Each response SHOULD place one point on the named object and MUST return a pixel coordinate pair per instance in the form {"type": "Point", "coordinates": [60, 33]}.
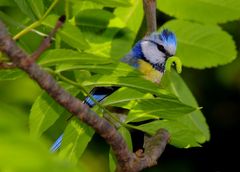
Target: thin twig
{"type": "Point", "coordinates": [46, 43]}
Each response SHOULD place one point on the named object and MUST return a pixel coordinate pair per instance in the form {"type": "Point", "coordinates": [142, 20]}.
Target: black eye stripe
{"type": "Point", "coordinates": [161, 48]}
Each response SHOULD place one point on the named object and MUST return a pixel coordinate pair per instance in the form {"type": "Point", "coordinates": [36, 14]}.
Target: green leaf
{"type": "Point", "coordinates": [110, 3]}
{"type": "Point", "coordinates": [126, 136]}
{"type": "Point", "coordinates": [6, 3]}
{"type": "Point", "coordinates": [67, 56]}
{"type": "Point", "coordinates": [25, 8]}
{"type": "Point", "coordinates": [37, 7]}
{"type": "Point", "coordinates": [112, 161]}
{"type": "Point", "coordinates": [20, 151]}
{"type": "Point", "coordinates": [94, 19]}
{"type": "Point", "coordinates": [124, 96]}
{"type": "Point", "coordinates": [116, 69]}
{"type": "Point", "coordinates": [12, 118]}
{"type": "Point", "coordinates": [157, 108]}
{"type": "Point", "coordinates": [79, 6]}
{"type": "Point", "coordinates": [135, 82]}
{"type": "Point", "coordinates": [201, 46]}
{"type": "Point", "coordinates": [131, 16]}
{"type": "Point", "coordinates": [76, 137]}
{"type": "Point", "coordinates": [195, 120]}
{"type": "Point", "coordinates": [180, 135]}
{"type": "Point", "coordinates": [45, 111]}
{"type": "Point", "coordinates": [10, 74]}
{"type": "Point", "coordinates": [206, 11]}
{"type": "Point", "coordinates": [69, 33]}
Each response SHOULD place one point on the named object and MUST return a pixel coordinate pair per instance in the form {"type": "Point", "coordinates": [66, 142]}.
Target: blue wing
{"type": "Point", "coordinates": [98, 93]}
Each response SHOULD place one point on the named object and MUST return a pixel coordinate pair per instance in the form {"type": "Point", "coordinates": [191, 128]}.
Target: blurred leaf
{"type": "Point", "coordinates": [157, 108]}
{"type": "Point", "coordinates": [6, 3]}
{"type": "Point", "coordinates": [66, 56]}
{"type": "Point", "coordinates": [25, 8]}
{"type": "Point", "coordinates": [69, 33]}
{"type": "Point", "coordinates": [45, 111]}
{"type": "Point", "coordinates": [37, 7]}
{"type": "Point", "coordinates": [93, 19]}
{"type": "Point", "coordinates": [109, 3]}
{"type": "Point", "coordinates": [20, 152]}
{"type": "Point", "coordinates": [9, 20]}
{"type": "Point", "coordinates": [76, 137]}
{"type": "Point", "coordinates": [229, 75]}
{"type": "Point", "coordinates": [10, 74]}
{"type": "Point", "coordinates": [131, 16]}
{"type": "Point", "coordinates": [180, 135]}
{"type": "Point", "coordinates": [206, 11]}
{"type": "Point", "coordinates": [195, 121]}
{"type": "Point", "coordinates": [12, 118]}
{"type": "Point", "coordinates": [201, 46]}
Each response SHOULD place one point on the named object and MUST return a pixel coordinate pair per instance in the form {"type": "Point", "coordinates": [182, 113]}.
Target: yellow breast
{"type": "Point", "coordinates": [149, 72]}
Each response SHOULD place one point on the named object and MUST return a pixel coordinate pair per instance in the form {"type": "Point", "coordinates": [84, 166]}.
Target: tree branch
{"type": "Point", "coordinates": [150, 14]}
{"type": "Point", "coordinates": [127, 161]}
{"type": "Point", "coordinates": [72, 104]}
{"type": "Point", "coordinates": [6, 65]}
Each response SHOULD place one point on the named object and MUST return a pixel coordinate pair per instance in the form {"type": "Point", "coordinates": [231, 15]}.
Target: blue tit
{"type": "Point", "coordinates": [148, 55]}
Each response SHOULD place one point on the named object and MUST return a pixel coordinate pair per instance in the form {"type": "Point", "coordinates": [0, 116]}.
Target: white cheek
{"type": "Point", "coordinates": [151, 52]}
{"type": "Point", "coordinates": [171, 49]}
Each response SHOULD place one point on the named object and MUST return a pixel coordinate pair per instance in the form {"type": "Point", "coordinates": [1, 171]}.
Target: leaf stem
{"type": "Point", "coordinates": [36, 23]}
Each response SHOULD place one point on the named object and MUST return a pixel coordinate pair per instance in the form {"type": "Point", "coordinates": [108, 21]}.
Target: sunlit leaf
{"type": "Point", "coordinates": [117, 69]}
{"type": "Point", "coordinates": [110, 3]}
{"type": "Point", "coordinates": [131, 16]}
{"type": "Point", "coordinates": [201, 46]}
{"type": "Point", "coordinates": [67, 56]}
{"type": "Point", "coordinates": [45, 111]}
{"type": "Point", "coordinates": [76, 137]}
{"type": "Point", "coordinates": [206, 11]}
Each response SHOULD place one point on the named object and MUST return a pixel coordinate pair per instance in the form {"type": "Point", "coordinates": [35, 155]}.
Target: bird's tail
{"type": "Point", "coordinates": [98, 93]}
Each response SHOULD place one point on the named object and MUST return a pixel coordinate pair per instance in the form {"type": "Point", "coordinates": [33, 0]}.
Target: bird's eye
{"type": "Point", "coordinates": [161, 48]}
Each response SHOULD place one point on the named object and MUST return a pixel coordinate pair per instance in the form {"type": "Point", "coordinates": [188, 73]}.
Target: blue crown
{"type": "Point", "coordinates": [168, 37]}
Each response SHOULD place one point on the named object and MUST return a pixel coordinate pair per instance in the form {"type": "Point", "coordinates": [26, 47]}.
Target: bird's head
{"type": "Point", "coordinates": [150, 54]}
{"type": "Point", "coordinates": [157, 47]}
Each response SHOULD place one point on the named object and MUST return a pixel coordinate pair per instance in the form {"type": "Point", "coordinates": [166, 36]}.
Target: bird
{"type": "Point", "coordinates": [148, 55]}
